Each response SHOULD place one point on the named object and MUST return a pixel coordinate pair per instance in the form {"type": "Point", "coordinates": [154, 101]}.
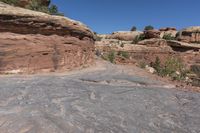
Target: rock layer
{"type": "Point", "coordinates": [125, 35]}
{"type": "Point", "coordinates": [34, 42]}
{"type": "Point", "coordinates": [191, 35]}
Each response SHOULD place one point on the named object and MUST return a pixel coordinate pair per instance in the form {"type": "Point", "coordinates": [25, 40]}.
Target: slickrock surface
{"type": "Point", "coordinates": [107, 99]}
{"type": "Point", "coordinates": [37, 42]}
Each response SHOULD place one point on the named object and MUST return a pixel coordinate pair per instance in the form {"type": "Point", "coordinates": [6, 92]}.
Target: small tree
{"type": "Point", "coordinates": [53, 10]}
{"type": "Point", "coordinates": [149, 27]}
{"type": "Point", "coordinates": [134, 28]}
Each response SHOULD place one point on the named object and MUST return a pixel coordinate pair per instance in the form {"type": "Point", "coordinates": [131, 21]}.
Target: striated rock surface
{"type": "Point", "coordinates": [105, 99]}
{"type": "Point", "coordinates": [191, 35]}
{"type": "Point", "coordinates": [183, 45]}
{"type": "Point", "coordinates": [34, 42]}
{"type": "Point", "coordinates": [125, 35]}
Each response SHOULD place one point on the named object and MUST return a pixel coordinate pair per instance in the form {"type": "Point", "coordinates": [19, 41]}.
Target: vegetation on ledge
{"type": "Point", "coordinates": [37, 6]}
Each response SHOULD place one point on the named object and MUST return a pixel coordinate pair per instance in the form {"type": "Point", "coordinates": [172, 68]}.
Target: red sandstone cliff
{"type": "Point", "coordinates": [34, 42]}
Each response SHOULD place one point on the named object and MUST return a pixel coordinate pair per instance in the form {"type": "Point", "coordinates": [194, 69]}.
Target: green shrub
{"type": "Point", "coordinates": [196, 69]}
{"type": "Point", "coordinates": [169, 37]}
{"type": "Point", "coordinates": [53, 10]}
{"type": "Point", "coordinates": [37, 6]}
{"type": "Point", "coordinates": [110, 56]}
{"type": "Point", "coordinates": [149, 27]}
{"type": "Point", "coordinates": [157, 66]}
{"type": "Point", "coordinates": [134, 28]}
{"type": "Point", "coordinates": [173, 67]}
{"type": "Point", "coordinates": [123, 54]}
{"type": "Point", "coordinates": [138, 39]}
{"type": "Point", "coordinates": [11, 2]}
{"type": "Point", "coordinates": [142, 64]}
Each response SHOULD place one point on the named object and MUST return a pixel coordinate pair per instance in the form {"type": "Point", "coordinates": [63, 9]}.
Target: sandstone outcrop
{"type": "Point", "coordinates": [34, 42]}
{"type": "Point", "coordinates": [154, 42]}
{"type": "Point", "coordinates": [183, 45]}
{"type": "Point", "coordinates": [152, 34]}
{"type": "Point", "coordinates": [148, 49]}
{"type": "Point", "coordinates": [125, 35]}
{"type": "Point", "coordinates": [168, 31]}
{"type": "Point", "coordinates": [190, 35]}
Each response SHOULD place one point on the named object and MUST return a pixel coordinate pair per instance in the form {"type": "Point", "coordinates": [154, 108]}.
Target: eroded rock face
{"type": "Point", "coordinates": [33, 42]}
{"type": "Point", "coordinates": [125, 35]}
{"type": "Point", "coordinates": [152, 34]}
{"type": "Point", "coordinates": [191, 35]}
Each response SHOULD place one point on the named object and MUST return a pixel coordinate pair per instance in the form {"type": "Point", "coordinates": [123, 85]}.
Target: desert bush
{"type": "Point", "coordinates": [11, 2]}
{"type": "Point", "coordinates": [149, 27]}
{"type": "Point", "coordinates": [138, 39]}
{"type": "Point", "coordinates": [109, 56]}
{"type": "Point", "coordinates": [124, 54]}
{"type": "Point", "coordinates": [157, 65]}
{"type": "Point", "coordinates": [196, 69]}
{"type": "Point", "coordinates": [142, 64]}
{"type": "Point", "coordinates": [36, 6]}
{"type": "Point", "coordinates": [134, 28]}
{"type": "Point", "coordinates": [173, 67]}
{"type": "Point", "coordinates": [169, 37]}
{"type": "Point", "coordinates": [53, 10]}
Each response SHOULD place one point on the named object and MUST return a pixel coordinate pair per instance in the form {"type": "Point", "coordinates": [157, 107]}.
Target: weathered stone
{"type": "Point", "coordinates": [168, 31]}
{"type": "Point", "coordinates": [125, 35]}
{"type": "Point", "coordinates": [191, 35]}
{"type": "Point", "coordinates": [152, 34]}
{"type": "Point", "coordinates": [183, 45]}
{"type": "Point", "coordinates": [154, 42]}
{"type": "Point", "coordinates": [34, 42]}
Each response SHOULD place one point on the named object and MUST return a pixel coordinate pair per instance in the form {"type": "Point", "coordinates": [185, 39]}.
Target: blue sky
{"type": "Point", "coordinates": [106, 16]}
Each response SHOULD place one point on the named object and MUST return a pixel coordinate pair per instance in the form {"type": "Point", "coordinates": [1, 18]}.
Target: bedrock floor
{"type": "Point", "coordinates": [107, 99]}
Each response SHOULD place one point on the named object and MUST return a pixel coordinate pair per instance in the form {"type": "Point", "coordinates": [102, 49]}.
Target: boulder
{"type": "Point", "coordinates": [34, 42]}
{"type": "Point", "coordinates": [125, 35]}
{"type": "Point", "coordinates": [190, 35]}
{"type": "Point", "coordinates": [152, 34]}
